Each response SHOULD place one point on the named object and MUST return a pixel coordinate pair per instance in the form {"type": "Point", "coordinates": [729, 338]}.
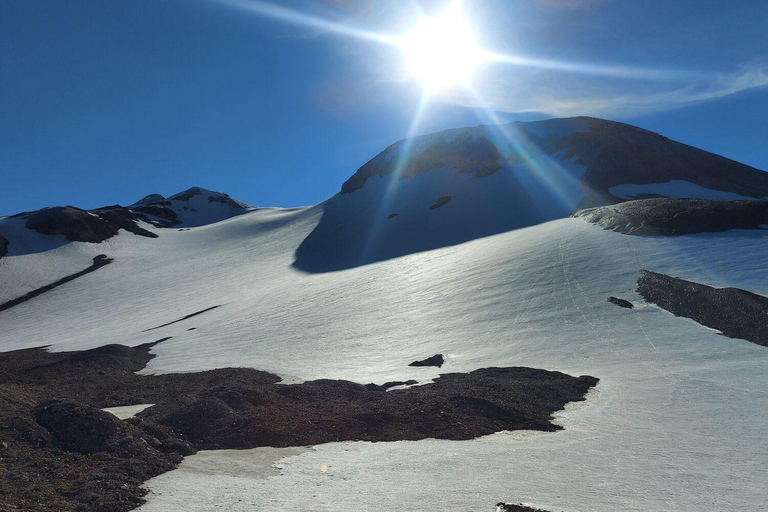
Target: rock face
{"type": "Point", "coordinates": [84, 226]}
{"type": "Point", "coordinates": [3, 246]}
{"type": "Point", "coordinates": [505, 178]}
{"type": "Point", "coordinates": [62, 452]}
{"type": "Point", "coordinates": [674, 217]}
{"type": "Point", "coordinates": [736, 313]}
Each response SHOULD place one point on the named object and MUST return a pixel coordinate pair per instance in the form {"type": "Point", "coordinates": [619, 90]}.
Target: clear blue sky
{"type": "Point", "coordinates": [103, 102]}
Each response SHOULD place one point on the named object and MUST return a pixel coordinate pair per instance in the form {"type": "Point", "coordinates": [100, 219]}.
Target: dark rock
{"type": "Point", "coordinates": [436, 360]}
{"type": "Point", "coordinates": [50, 416]}
{"type": "Point", "coordinates": [3, 246]}
{"type": "Point", "coordinates": [185, 318]}
{"type": "Point", "coordinates": [736, 313]}
{"type": "Point", "coordinates": [161, 211]}
{"type": "Point", "coordinates": [509, 507]}
{"type": "Point", "coordinates": [225, 199]}
{"type": "Point", "coordinates": [395, 383]}
{"type": "Point", "coordinates": [83, 429]}
{"type": "Point", "coordinates": [84, 226]}
{"type": "Point", "coordinates": [621, 302]}
{"type": "Point", "coordinates": [441, 202]}
{"type": "Point", "coordinates": [674, 217]}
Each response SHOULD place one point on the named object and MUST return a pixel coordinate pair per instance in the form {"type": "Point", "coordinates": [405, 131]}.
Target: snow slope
{"type": "Point", "coordinates": [677, 421]}
{"type": "Point", "coordinates": [348, 290]}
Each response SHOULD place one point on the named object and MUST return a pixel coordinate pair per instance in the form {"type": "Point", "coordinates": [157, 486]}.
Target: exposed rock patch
{"type": "Point", "coordinates": [85, 226]}
{"type": "Point", "coordinates": [436, 360]}
{"type": "Point", "coordinates": [621, 302]}
{"type": "Point", "coordinates": [61, 452]}
{"type": "Point", "coordinates": [167, 217]}
{"type": "Point", "coordinates": [3, 246]}
{"type": "Point", "coordinates": [509, 507]}
{"type": "Point", "coordinates": [442, 201]}
{"type": "Point", "coordinates": [674, 217]}
{"type": "Point", "coordinates": [182, 319]}
{"type": "Point", "coordinates": [736, 313]}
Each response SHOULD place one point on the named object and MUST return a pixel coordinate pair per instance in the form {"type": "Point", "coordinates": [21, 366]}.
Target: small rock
{"type": "Point", "coordinates": [621, 302]}
{"type": "Point", "coordinates": [441, 202]}
{"type": "Point", "coordinates": [436, 360]}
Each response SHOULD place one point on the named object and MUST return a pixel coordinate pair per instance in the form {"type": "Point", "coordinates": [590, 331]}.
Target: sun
{"type": "Point", "coordinates": [442, 52]}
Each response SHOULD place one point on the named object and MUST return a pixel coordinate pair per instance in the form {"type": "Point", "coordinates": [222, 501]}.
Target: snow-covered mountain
{"type": "Point", "coordinates": [458, 185]}
{"type": "Point", "coordinates": [679, 412]}
{"type": "Point", "coordinates": [193, 207]}
{"type": "Point", "coordinates": [59, 225]}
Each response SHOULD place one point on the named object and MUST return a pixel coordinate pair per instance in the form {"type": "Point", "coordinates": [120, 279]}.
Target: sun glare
{"type": "Point", "coordinates": [442, 51]}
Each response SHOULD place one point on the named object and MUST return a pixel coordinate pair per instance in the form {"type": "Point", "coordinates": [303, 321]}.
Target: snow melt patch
{"type": "Point", "coordinates": [127, 411]}
{"type": "Point", "coordinates": [675, 189]}
{"type": "Point", "coordinates": [216, 472]}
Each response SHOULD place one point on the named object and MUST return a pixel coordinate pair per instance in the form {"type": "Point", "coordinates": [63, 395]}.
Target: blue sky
{"type": "Point", "coordinates": [105, 102]}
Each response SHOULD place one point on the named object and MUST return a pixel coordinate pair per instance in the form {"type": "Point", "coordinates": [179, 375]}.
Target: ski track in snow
{"type": "Point", "coordinates": [676, 423]}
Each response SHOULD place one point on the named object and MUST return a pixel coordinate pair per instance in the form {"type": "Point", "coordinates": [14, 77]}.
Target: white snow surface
{"type": "Point", "coordinates": [127, 411]}
{"type": "Point", "coordinates": [677, 422]}
{"type": "Point", "coordinates": [674, 188]}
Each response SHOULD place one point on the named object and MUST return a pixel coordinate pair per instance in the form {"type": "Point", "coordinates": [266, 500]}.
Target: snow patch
{"type": "Point", "coordinates": [675, 189]}
{"type": "Point", "coordinates": [127, 411]}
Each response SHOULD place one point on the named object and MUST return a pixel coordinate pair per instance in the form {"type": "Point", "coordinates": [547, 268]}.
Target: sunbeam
{"type": "Point", "coordinates": [404, 152]}
{"type": "Point", "coordinates": [587, 69]}
{"type": "Point", "coordinates": [307, 20]}
{"type": "Point", "coordinates": [442, 51]}
{"type": "Point", "coordinates": [557, 179]}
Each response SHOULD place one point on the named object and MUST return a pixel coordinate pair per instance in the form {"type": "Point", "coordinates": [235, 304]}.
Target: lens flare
{"type": "Point", "coordinates": [441, 51]}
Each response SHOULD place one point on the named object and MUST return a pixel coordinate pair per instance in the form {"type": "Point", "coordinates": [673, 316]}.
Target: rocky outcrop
{"type": "Point", "coordinates": [620, 302]}
{"type": "Point", "coordinates": [78, 225]}
{"type": "Point", "coordinates": [436, 360]}
{"type": "Point", "coordinates": [674, 217]}
{"type": "Point", "coordinates": [59, 451]}
{"type": "Point", "coordinates": [736, 313]}
{"type": "Point", "coordinates": [3, 246]}
{"type": "Point", "coordinates": [442, 201]}
{"type": "Point", "coordinates": [167, 217]}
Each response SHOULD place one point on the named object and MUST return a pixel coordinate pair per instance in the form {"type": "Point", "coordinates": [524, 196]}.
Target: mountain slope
{"type": "Point", "coordinates": [458, 185]}
{"type": "Point", "coordinates": [64, 224]}
{"type": "Point", "coordinates": [678, 415]}
{"type": "Point", "coordinates": [675, 398]}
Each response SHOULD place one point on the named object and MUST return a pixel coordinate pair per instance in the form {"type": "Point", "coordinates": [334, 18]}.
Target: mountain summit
{"type": "Point", "coordinates": [457, 185]}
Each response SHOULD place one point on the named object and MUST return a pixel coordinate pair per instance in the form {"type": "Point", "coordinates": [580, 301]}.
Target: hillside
{"type": "Point", "coordinates": [677, 415]}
